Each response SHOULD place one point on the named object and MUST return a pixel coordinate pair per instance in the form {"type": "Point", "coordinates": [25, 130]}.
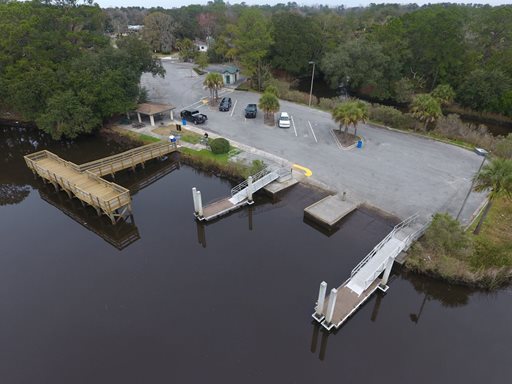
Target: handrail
{"type": "Point", "coordinates": [245, 183]}
{"type": "Point", "coordinates": [379, 246]}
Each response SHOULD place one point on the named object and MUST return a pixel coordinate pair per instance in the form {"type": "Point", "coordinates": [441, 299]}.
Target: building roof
{"type": "Point", "coordinates": [153, 108]}
{"type": "Point", "coordinates": [231, 70]}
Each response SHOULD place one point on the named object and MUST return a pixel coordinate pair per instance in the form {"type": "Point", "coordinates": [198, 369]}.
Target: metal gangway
{"type": "Point", "coordinates": [332, 311]}
{"type": "Point", "coordinates": [241, 195]}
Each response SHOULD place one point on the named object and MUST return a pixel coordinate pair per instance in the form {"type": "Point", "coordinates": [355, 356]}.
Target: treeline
{"type": "Point", "coordinates": [59, 68]}
{"type": "Point", "coordinates": [384, 52]}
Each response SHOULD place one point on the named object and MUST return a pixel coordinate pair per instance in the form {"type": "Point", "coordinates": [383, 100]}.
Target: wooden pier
{"type": "Point", "coordinates": [84, 181]}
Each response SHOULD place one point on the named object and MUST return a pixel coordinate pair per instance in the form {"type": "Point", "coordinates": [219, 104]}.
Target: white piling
{"type": "Point", "coordinates": [330, 305]}
{"type": "Point", "coordinates": [387, 271]}
{"type": "Point", "coordinates": [194, 197]}
{"type": "Point", "coordinates": [321, 298]}
{"type": "Point", "coordinates": [199, 204]}
{"type": "Point", "coordinates": [249, 188]}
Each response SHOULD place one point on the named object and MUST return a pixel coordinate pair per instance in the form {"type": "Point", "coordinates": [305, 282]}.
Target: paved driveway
{"type": "Point", "coordinates": [396, 172]}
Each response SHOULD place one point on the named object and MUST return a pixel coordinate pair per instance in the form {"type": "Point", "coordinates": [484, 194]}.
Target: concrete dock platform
{"type": "Point", "coordinates": [278, 186]}
{"type": "Point", "coordinates": [330, 210]}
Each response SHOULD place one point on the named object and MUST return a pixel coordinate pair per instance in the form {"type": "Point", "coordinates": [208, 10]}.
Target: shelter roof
{"type": "Point", "coordinates": [153, 108]}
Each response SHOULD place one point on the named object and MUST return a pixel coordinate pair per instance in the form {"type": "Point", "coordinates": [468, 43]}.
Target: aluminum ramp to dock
{"type": "Point", "coordinates": [240, 195]}
{"type": "Point", "coordinates": [343, 301]}
{"type": "Point", "coordinates": [363, 278]}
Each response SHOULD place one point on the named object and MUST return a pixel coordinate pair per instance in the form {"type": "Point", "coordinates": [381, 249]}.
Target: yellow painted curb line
{"type": "Point", "coordinates": [307, 171]}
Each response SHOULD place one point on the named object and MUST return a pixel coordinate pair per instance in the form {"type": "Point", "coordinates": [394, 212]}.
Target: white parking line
{"type": "Point", "coordinates": [313, 132]}
{"type": "Point", "coordinates": [335, 139]}
{"type": "Point", "coordinates": [234, 106]}
{"type": "Point", "coordinates": [191, 105]}
{"type": "Point", "coordinates": [293, 123]}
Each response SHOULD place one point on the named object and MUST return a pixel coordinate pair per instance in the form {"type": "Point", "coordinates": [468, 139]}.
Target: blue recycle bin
{"type": "Point", "coordinates": [360, 144]}
{"type": "Point", "coordinates": [183, 122]}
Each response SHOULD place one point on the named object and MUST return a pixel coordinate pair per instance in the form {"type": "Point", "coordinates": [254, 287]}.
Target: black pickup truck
{"type": "Point", "coordinates": [250, 111]}
{"type": "Point", "coordinates": [194, 116]}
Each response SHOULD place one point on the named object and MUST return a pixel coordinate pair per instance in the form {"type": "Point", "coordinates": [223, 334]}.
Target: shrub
{"type": "Point", "coordinates": [452, 127]}
{"type": "Point", "coordinates": [219, 146]}
{"type": "Point", "coordinates": [390, 116]}
{"type": "Point", "coordinates": [327, 104]}
{"type": "Point", "coordinates": [504, 147]}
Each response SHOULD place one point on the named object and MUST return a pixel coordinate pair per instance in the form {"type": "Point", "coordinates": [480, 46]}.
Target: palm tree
{"type": "Point", "coordinates": [269, 103]}
{"type": "Point", "coordinates": [214, 82]}
{"type": "Point", "coordinates": [426, 108]}
{"type": "Point", "coordinates": [350, 112]}
{"type": "Point", "coordinates": [496, 177]}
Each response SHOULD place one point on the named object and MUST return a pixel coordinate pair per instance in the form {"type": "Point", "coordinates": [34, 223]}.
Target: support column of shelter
{"type": "Point", "coordinates": [172, 115]}
{"type": "Point", "coordinates": [138, 117]}
{"type": "Point", "coordinates": [152, 119]}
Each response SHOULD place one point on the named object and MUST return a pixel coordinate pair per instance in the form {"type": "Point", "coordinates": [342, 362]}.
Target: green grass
{"type": "Point", "coordinates": [207, 155]}
{"type": "Point", "coordinates": [148, 139]}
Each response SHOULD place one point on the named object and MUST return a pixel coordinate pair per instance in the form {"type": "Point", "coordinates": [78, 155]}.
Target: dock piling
{"type": "Point", "coordinates": [321, 299]}
{"type": "Point", "coordinates": [194, 197]}
{"type": "Point", "coordinates": [387, 272]}
{"type": "Point", "coordinates": [249, 189]}
{"type": "Point", "coordinates": [199, 204]}
{"type": "Point", "coordinates": [330, 305]}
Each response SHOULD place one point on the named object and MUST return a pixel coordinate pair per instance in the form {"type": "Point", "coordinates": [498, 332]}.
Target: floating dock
{"type": "Point", "coordinates": [365, 278]}
{"type": "Point", "coordinates": [330, 210]}
{"type": "Point", "coordinates": [241, 195]}
{"type": "Point", "coordinates": [85, 183]}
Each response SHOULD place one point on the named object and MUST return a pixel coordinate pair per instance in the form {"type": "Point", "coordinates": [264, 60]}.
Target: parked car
{"type": "Point", "coordinates": [225, 104]}
{"type": "Point", "coordinates": [284, 120]}
{"type": "Point", "coordinates": [250, 111]}
{"type": "Point", "coordinates": [194, 116]}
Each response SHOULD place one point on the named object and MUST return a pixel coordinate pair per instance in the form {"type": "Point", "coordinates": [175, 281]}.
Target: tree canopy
{"type": "Point", "coordinates": [58, 68]}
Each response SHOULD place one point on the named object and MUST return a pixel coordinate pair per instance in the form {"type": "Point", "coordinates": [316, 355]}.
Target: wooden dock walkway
{"type": "Point", "coordinates": [347, 302]}
{"type": "Point", "coordinates": [85, 182]}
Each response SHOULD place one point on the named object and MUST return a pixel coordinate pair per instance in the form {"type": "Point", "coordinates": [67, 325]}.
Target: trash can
{"type": "Point", "coordinates": [172, 138]}
{"type": "Point", "coordinates": [183, 122]}
{"type": "Point", "coordinates": [360, 144]}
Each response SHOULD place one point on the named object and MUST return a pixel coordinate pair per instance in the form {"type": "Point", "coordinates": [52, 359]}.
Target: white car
{"type": "Point", "coordinates": [284, 120]}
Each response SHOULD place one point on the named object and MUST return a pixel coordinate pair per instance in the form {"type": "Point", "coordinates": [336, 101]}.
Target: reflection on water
{"type": "Point", "coordinates": [120, 235]}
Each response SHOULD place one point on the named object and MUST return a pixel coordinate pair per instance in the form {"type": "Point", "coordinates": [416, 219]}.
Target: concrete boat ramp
{"type": "Point", "coordinates": [330, 210]}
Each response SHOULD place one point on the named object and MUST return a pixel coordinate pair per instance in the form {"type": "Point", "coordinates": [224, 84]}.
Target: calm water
{"type": "Point", "coordinates": [165, 300]}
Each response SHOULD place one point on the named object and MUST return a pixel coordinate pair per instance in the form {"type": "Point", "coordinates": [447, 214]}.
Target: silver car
{"type": "Point", "coordinates": [284, 120]}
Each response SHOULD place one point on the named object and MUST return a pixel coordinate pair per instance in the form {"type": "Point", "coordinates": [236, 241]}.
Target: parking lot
{"type": "Point", "coordinates": [396, 172]}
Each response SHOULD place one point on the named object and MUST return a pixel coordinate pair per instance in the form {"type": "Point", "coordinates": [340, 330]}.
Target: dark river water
{"type": "Point", "coordinates": [166, 300]}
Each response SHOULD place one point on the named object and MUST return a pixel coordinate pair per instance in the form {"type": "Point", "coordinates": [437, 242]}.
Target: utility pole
{"type": "Point", "coordinates": [312, 78]}
{"type": "Point", "coordinates": [472, 184]}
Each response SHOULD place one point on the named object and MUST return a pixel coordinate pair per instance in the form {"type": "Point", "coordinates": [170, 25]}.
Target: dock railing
{"type": "Point", "coordinates": [379, 246]}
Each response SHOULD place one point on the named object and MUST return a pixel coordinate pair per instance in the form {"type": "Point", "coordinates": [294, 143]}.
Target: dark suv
{"type": "Point", "coordinates": [193, 116]}
{"type": "Point", "coordinates": [250, 111]}
{"type": "Point", "coordinates": [225, 104]}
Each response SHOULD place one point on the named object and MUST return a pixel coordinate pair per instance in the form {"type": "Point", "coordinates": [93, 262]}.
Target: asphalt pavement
{"type": "Point", "coordinates": [396, 172]}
